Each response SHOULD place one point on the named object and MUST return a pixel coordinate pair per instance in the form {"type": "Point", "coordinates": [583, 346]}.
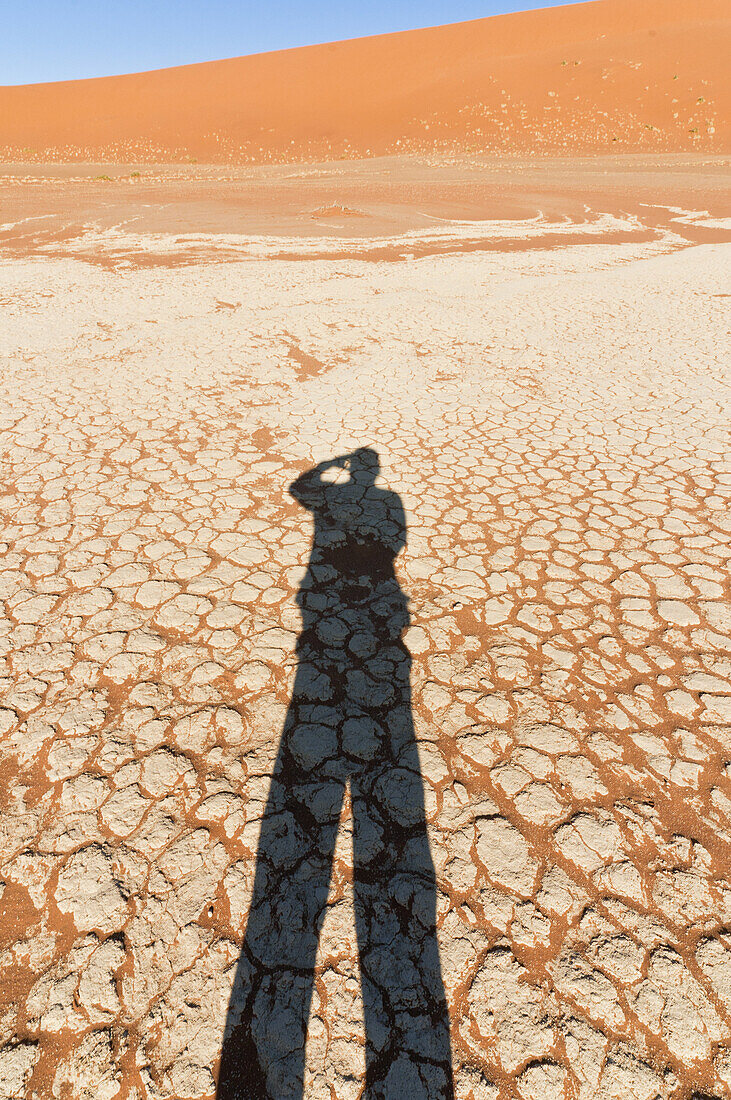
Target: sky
{"type": "Point", "coordinates": [46, 40]}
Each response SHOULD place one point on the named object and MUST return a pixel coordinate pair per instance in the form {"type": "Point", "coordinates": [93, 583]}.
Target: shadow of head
{"type": "Point", "coordinates": [364, 465]}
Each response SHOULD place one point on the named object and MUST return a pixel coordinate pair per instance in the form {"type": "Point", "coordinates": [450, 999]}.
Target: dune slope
{"type": "Point", "coordinates": [610, 75]}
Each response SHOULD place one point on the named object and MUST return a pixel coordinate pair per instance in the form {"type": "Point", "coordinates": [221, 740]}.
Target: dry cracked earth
{"type": "Point", "coordinates": [511, 735]}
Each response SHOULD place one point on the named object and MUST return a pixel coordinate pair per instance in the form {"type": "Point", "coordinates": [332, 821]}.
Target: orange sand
{"type": "Point", "coordinates": [613, 75]}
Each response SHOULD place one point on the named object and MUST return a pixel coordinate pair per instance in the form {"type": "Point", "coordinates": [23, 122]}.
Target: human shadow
{"type": "Point", "coordinates": [349, 722]}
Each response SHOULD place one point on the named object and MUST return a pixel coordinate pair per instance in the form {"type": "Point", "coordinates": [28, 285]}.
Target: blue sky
{"type": "Point", "coordinates": [43, 40]}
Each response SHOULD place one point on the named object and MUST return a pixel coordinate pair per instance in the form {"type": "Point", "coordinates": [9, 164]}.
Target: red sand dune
{"type": "Point", "coordinates": [611, 75]}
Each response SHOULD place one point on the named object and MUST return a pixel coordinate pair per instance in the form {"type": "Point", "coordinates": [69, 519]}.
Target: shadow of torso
{"type": "Point", "coordinates": [349, 722]}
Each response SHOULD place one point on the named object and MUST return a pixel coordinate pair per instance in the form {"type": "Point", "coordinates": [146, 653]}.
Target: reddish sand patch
{"type": "Point", "coordinates": [613, 75]}
{"type": "Point", "coordinates": [50, 208]}
{"type": "Point", "coordinates": [335, 210]}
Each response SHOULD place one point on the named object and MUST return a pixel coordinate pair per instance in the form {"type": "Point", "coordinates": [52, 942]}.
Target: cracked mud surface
{"type": "Point", "coordinates": [555, 425]}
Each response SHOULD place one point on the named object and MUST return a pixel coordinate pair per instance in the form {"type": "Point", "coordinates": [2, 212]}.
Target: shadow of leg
{"type": "Point", "coordinates": [408, 1050]}
{"type": "Point", "coordinates": [263, 1056]}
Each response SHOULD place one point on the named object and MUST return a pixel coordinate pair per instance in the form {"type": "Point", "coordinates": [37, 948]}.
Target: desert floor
{"type": "Point", "coordinates": [539, 354]}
